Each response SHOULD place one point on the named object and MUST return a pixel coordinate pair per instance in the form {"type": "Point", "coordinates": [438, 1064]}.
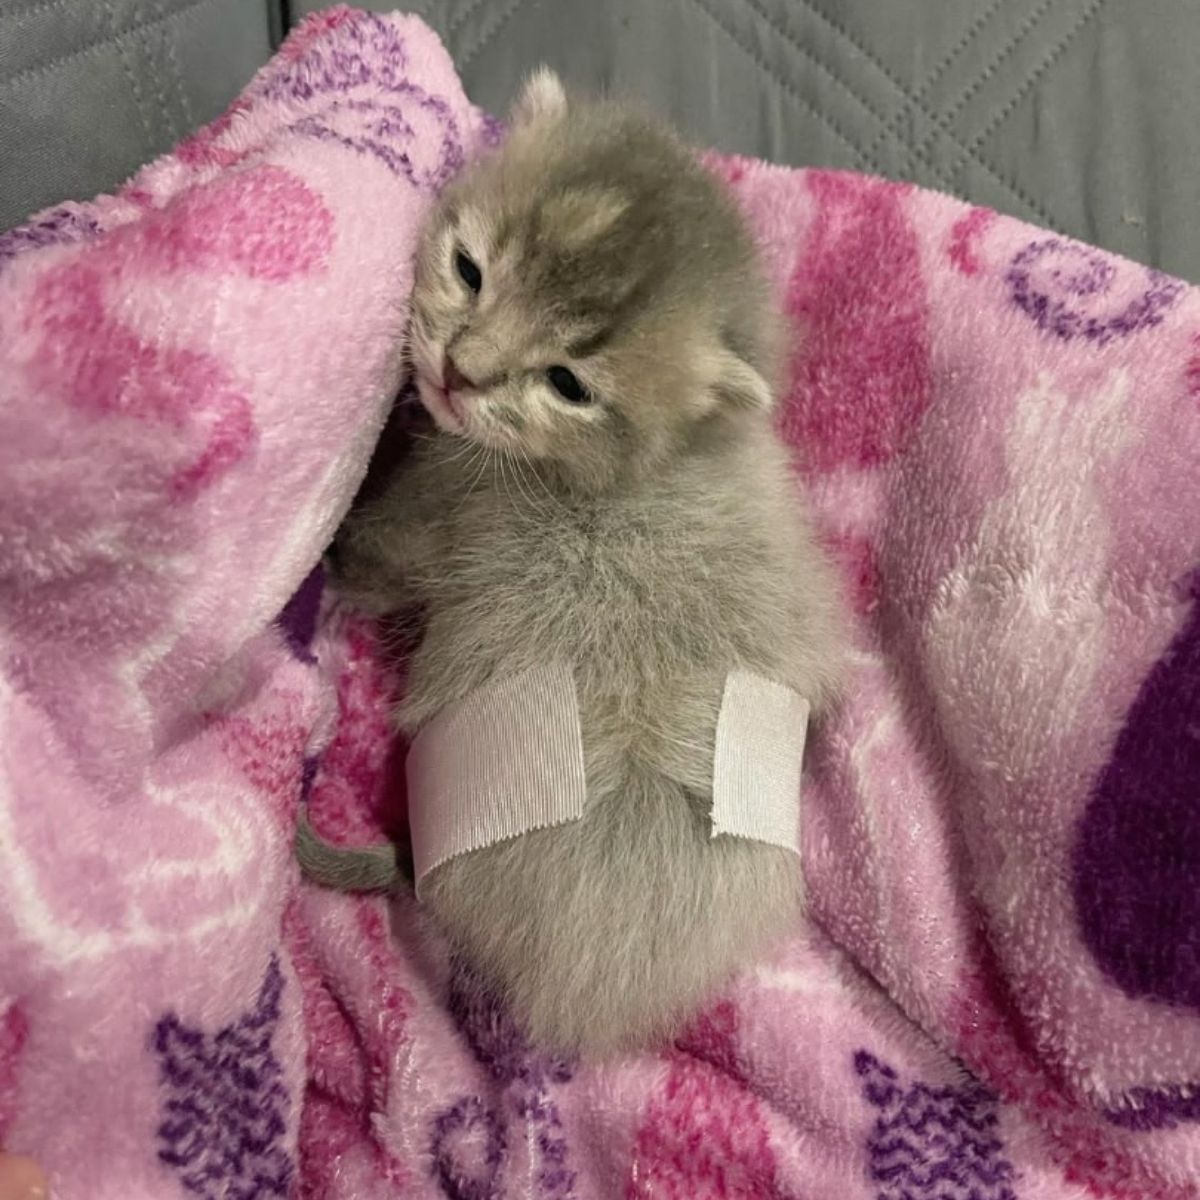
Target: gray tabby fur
{"type": "Point", "coordinates": [653, 539]}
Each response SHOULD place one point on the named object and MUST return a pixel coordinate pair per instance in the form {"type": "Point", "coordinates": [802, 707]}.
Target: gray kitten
{"type": "Point", "coordinates": [595, 342]}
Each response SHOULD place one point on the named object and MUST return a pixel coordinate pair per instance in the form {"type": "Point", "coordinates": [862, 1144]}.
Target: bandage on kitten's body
{"type": "Point", "coordinates": [594, 339]}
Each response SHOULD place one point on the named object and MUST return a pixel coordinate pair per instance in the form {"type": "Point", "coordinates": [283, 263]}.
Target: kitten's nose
{"type": "Point", "coordinates": [453, 380]}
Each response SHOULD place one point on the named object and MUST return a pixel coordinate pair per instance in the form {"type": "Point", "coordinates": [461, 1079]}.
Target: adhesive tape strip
{"type": "Point", "coordinates": [758, 760]}
{"type": "Point", "coordinates": [506, 760]}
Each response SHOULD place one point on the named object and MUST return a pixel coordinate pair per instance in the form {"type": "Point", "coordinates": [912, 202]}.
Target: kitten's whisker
{"type": "Point", "coordinates": [504, 479]}
{"type": "Point", "coordinates": [463, 451]}
{"type": "Point", "coordinates": [555, 502]}
{"type": "Point", "coordinates": [526, 491]}
{"type": "Point", "coordinates": [480, 458]}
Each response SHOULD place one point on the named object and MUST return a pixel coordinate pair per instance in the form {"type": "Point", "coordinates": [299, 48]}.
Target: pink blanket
{"type": "Point", "coordinates": [997, 994]}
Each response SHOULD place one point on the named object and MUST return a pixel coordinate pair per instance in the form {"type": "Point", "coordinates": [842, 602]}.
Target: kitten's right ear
{"type": "Point", "coordinates": [739, 384]}
{"type": "Point", "coordinates": [542, 99]}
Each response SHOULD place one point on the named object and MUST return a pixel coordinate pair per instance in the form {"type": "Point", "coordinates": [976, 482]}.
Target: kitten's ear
{"type": "Point", "coordinates": [541, 99]}
{"type": "Point", "coordinates": [739, 385]}
{"type": "Point", "coordinates": [582, 215]}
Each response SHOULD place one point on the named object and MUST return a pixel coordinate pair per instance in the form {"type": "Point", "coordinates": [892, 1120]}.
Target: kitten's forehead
{"type": "Point", "coordinates": [598, 223]}
{"type": "Point", "coordinates": [563, 267]}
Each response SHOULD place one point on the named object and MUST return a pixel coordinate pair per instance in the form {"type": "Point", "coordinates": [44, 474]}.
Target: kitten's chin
{"type": "Point", "coordinates": [439, 407]}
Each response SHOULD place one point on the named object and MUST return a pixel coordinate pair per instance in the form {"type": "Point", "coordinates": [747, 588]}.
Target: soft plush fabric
{"type": "Point", "coordinates": [997, 992]}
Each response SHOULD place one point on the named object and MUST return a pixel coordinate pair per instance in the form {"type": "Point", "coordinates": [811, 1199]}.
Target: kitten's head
{"type": "Point", "coordinates": [587, 297]}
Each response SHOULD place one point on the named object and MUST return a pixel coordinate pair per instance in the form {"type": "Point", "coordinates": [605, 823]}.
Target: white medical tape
{"type": "Point", "coordinates": [508, 759]}
{"type": "Point", "coordinates": [758, 760]}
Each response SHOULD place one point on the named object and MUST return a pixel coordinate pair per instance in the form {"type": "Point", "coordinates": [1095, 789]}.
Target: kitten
{"type": "Point", "coordinates": [594, 340]}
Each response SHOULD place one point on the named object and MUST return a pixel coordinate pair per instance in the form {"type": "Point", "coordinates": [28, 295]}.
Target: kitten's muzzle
{"type": "Point", "coordinates": [453, 380]}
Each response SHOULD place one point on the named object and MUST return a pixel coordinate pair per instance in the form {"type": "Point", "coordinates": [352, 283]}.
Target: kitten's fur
{"type": "Point", "coordinates": [651, 539]}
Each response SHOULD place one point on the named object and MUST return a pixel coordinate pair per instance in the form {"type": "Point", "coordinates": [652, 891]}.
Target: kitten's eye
{"type": "Point", "coordinates": [468, 272]}
{"type": "Point", "coordinates": [567, 386]}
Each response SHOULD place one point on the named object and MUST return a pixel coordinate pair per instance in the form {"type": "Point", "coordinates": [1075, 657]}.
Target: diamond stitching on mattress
{"type": "Point", "coordinates": [1028, 26]}
{"type": "Point", "coordinates": [1061, 47]}
{"type": "Point", "coordinates": [29, 74]}
{"type": "Point", "coordinates": [935, 117]}
{"type": "Point", "coordinates": [944, 119]}
{"type": "Point", "coordinates": [171, 54]}
{"type": "Point", "coordinates": [931, 80]}
{"type": "Point", "coordinates": [123, 46]}
{"type": "Point", "coordinates": [499, 20]}
{"type": "Point", "coordinates": [792, 40]}
{"type": "Point", "coordinates": [869, 162]}
{"type": "Point", "coordinates": [787, 87]}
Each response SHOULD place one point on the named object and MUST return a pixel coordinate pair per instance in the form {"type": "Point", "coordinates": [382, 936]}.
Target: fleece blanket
{"type": "Point", "coordinates": [996, 991]}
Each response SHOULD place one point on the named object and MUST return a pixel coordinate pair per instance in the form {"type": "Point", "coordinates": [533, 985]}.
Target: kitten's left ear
{"type": "Point", "coordinates": [542, 99]}
{"type": "Point", "coordinates": [739, 385]}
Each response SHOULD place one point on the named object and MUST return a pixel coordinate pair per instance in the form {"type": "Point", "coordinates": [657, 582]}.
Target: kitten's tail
{"type": "Point", "coordinates": [370, 869]}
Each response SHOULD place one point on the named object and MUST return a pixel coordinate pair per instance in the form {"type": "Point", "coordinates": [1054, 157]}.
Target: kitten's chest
{"type": "Point", "coordinates": [613, 589]}
{"type": "Point", "coordinates": [564, 567]}
{"type": "Point", "coordinates": [650, 604]}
